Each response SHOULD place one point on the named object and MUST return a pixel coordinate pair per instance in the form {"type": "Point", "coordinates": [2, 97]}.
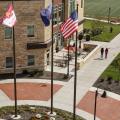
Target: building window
{"type": "Point", "coordinates": [31, 60]}
{"type": "Point", "coordinates": [58, 14]}
{"type": "Point", "coordinates": [58, 39]}
{"type": "Point", "coordinates": [30, 31]}
{"type": "Point", "coordinates": [72, 6]}
{"type": "Point", "coordinates": [81, 3]}
{"type": "Point", "coordinates": [55, 9]}
{"type": "Point", "coordinates": [9, 62]}
{"type": "Point", "coordinates": [8, 33]}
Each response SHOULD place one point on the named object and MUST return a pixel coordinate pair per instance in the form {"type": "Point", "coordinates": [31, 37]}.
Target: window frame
{"type": "Point", "coordinates": [29, 33]}
{"type": "Point", "coordinates": [8, 37]}
{"type": "Point", "coordinates": [30, 61]}
{"type": "Point", "coordinates": [81, 3]}
{"type": "Point", "coordinates": [9, 64]}
{"type": "Point", "coordinates": [72, 6]}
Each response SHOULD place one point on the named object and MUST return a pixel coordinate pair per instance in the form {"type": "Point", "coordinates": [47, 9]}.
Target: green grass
{"type": "Point", "coordinates": [112, 71]}
{"type": "Point", "coordinates": [95, 8]}
{"type": "Point", "coordinates": [106, 36]}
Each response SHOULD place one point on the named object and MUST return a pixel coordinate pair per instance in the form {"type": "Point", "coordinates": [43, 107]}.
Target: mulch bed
{"type": "Point", "coordinates": [29, 112]}
{"type": "Point", "coordinates": [108, 84]}
{"type": "Point", "coordinates": [38, 75]}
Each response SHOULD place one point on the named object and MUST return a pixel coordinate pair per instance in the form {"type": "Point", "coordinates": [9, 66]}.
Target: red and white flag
{"type": "Point", "coordinates": [9, 18]}
{"type": "Point", "coordinates": [78, 1]}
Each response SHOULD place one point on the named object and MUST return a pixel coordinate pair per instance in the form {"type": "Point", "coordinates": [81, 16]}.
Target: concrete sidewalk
{"type": "Point", "coordinates": [89, 73]}
{"type": "Point", "coordinates": [87, 76]}
{"type": "Point", "coordinates": [106, 21]}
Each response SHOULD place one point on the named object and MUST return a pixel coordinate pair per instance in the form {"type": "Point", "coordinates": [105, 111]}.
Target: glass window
{"type": "Point", "coordinates": [8, 33]}
{"type": "Point", "coordinates": [31, 60]}
{"type": "Point", "coordinates": [30, 31]}
{"type": "Point", "coordinates": [81, 3]}
{"type": "Point", "coordinates": [72, 6]}
{"type": "Point", "coordinates": [55, 15]}
{"type": "Point", "coordinates": [60, 13]}
{"type": "Point", "coordinates": [9, 62]}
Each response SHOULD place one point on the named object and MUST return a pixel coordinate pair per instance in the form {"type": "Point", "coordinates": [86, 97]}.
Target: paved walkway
{"type": "Point", "coordinates": [107, 108]}
{"type": "Point", "coordinates": [106, 21]}
{"type": "Point", "coordinates": [63, 99]}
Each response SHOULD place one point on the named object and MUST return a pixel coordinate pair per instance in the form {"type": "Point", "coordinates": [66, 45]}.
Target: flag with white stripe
{"type": "Point", "coordinates": [9, 18]}
{"type": "Point", "coordinates": [70, 26]}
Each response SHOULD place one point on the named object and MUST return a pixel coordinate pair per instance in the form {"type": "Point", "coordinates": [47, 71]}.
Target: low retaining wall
{"type": "Point", "coordinates": [89, 56]}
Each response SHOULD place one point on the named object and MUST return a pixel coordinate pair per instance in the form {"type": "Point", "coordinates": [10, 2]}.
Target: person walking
{"type": "Point", "coordinates": [102, 51]}
{"type": "Point", "coordinates": [106, 53]}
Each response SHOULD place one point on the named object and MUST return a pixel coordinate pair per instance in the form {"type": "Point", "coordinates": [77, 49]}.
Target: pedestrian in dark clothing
{"type": "Point", "coordinates": [106, 53]}
{"type": "Point", "coordinates": [102, 51]}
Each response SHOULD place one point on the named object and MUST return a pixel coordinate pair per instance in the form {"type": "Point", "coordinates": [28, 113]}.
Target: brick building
{"type": "Point", "coordinates": [33, 39]}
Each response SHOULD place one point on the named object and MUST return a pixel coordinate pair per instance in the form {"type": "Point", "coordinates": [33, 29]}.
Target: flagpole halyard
{"type": "Point", "coordinates": [75, 76]}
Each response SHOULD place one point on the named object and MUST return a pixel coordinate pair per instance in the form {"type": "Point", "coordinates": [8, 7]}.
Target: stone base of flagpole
{"type": "Point", "coordinates": [52, 118]}
{"type": "Point", "coordinates": [38, 116]}
{"type": "Point", "coordinates": [52, 114]}
{"type": "Point", "coordinates": [16, 118]}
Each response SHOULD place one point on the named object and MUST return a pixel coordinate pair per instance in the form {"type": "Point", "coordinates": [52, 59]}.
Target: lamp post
{"type": "Point", "coordinates": [95, 104]}
{"type": "Point", "coordinates": [109, 12]}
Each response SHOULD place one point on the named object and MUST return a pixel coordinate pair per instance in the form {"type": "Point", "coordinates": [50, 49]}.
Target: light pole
{"type": "Point", "coordinates": [109, 12]}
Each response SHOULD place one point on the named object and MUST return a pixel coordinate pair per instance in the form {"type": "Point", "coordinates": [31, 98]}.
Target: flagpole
{"type": "Point", "coordinates": [68, 58]}
{"type": "Point", "coordinates": [95, 104]}
{"type": "Point", "coordinates": [15, 87]}
{"type": "Point", "coordinates": [75, 76]}
{"type": "Point", "coordinates": [14, 64]}
{"type": "Point", "coordinates": [52, 64]}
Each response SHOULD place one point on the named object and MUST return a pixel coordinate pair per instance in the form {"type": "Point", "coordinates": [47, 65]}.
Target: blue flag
{"type": "Point", "coordinates": [46, 15]}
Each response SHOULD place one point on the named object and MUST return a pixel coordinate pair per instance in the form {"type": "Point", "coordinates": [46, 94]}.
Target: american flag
{"type": "Point", "coordinates": [70, 26]}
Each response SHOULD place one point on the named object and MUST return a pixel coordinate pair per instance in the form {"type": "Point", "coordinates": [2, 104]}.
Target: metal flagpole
{"type": "Point", "coordinates": [14, 64]}
{"type": "Point", "coordinates": [68, 58]}
{"type": "Point", "coordinates": [96, 94]}
{"type": "Point", "coordinates": [75, 76]}
{"type": "Point", "coordinates": [52, 64]}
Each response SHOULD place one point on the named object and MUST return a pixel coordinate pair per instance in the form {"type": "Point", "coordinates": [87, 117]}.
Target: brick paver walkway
{"type": "Point", "coordinates": [29, 91]}
{"type": "Point", "coordinates": [107, 108]}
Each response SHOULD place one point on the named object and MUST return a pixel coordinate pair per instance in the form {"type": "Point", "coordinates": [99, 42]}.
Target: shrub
{"type": "Point", "coordinates": [65, 76]}
{"type": "Point", "coordinates": [25, 72]}
{"type": "Point", "coordinates": [96, 31]}
{"type": "Point", "coordinates": [109, 79]}
{"type": "Point", "coordinates": [80, 37]}
{"type": "Point", "coordinates": [87, 37]}
{"type": "Point", "coordinates": [102, 80]}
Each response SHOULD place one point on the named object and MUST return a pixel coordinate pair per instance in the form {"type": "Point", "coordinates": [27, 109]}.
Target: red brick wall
{"type": "Point", "coordinates": [57, 1]}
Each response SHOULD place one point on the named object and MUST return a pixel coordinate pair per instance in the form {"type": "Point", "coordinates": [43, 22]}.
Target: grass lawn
{"type": "Point", "coordinates": [106, 36]}
{"type": "Point", "coordinates": [95, 8]}
{"type": "Point", "coordinates": [112, 71]}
